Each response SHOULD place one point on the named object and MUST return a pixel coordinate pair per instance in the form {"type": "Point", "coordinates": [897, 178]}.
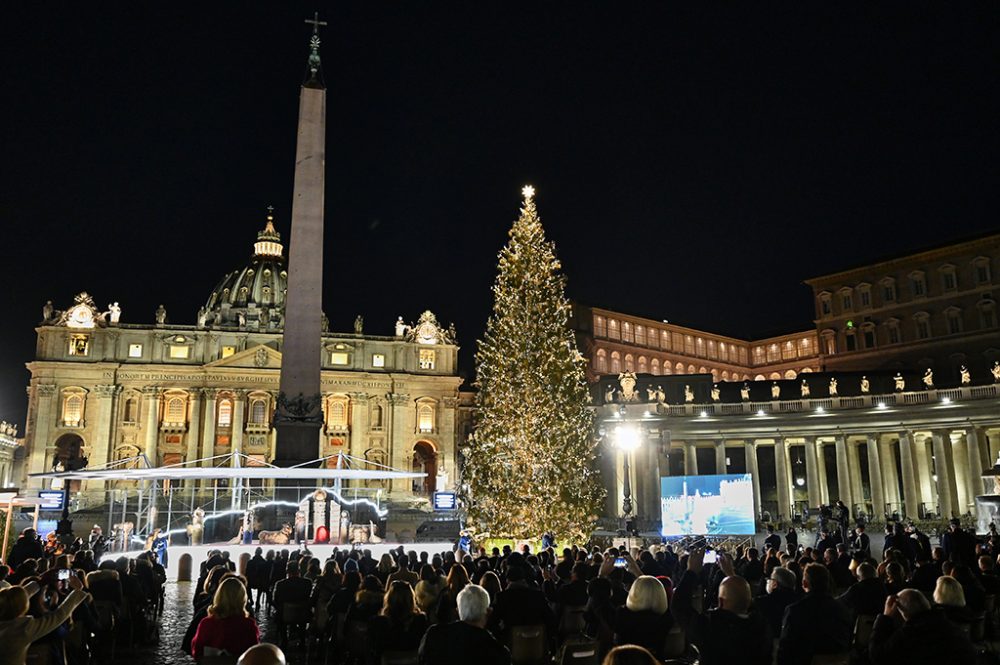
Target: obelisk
{"type": "Point", "coordinates": [299, 415]}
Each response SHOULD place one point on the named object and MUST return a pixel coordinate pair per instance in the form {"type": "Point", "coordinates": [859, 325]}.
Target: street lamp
{"type": "Point", "coordinates": [627, 438]}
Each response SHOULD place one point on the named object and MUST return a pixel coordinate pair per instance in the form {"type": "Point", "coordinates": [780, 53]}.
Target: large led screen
{"type": "Point", "coordinates": [707, 505]}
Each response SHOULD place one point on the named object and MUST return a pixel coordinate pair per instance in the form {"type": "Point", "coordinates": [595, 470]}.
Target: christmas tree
{"type": "Point", "coordinates": [530, 466]}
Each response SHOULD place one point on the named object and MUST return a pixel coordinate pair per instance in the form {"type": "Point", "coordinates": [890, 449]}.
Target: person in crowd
{"type": "Point", "coordinates": [325, 587]}
{"type": "Point", "coordinates": [452, 643]}
{"type": "Point", "coordinates": [400, 626]}
{"type": "Point", "coordinates": [949, 598]}
{"type": "Point", "coordinates": [815, 625]}
{"type": "Point", "coordinates": [342, 600]}
{"type": "Point", "coordinates": [959, 545]}
{"type": "Point", "coordinates": [791, 539]}
{"type": "Point", "coordinates": [773, 540]}
{"type": "Point", "coordinates": [861, 543]}
{"type": "Point", "coordinates": [458, 579]}
{"type": "Point", "coordinates": [228, 628]}
{"type": "Point", "coordinates": [367, 601]}
{"type": "Point", "coordinates": [781, 593]}
{"type": "Point", "coordinates": [574, 592]}
{"type": "Point", "coordinates": [644, 620]}
{"type": "Point", "coordinates": [385, 568]}
{"type": "Point", "coordinates": [27, 546]}
{"type": "Point", "coordinates": [521, 604]}
{"type": "Point", "coordinates": [895, 578]}
{"type": "Point", "coordinates": [18, 631]}
{"type": "Point", "coordinates": [867, 597]}
{"type": "Point", "coordinates": [404, 573]}
{"type": "Point", "coordinates": [428, 590]}
{"type": "Point", "coordinates": [988, 575]}
{"type": "Point", "coordinates": [258, 575]}
{"type": "Point", "coordinates": [630, 654]}
{"type": "Point", "coordinates": [491, 582]}
{"type": "Point", "coordinates": [294, 589]}
{"type": "Point", "coordinates": [909, 631]}
{"type": "Point", "coordinates": [262, 654]}
{"type": "Point", "coordinates": [730, 633]}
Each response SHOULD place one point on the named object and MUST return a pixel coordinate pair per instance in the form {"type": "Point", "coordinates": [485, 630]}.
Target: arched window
{"type": "Point", "coordinates": [725, 375]}
{"type": "Point", "coordinates": [715, 374]}
{"type": "Point", "coordinates": [616, 362]}
{"type": "Point", "coordinates": [679, 369]}
{"type": "Point", "coordinates": [654, 366]}
{"type": "Point", "coordinates": [73, 409]}
{"type": "Point", "coordinates": [176, 411]}
{"type": "Point", "coordinates": [666, 368]}
{"type": "Point", "coordinates": [629, 363]}
{"type": "Point", "coordinates": [425, 417]}
{"type": "Point", "coordinates": [377, 416]}
{"type": "Point", "coordinates": [775, 376]}
{"type": "Point", "coordinates": [703, 370]}
{"type": "Point", "coordinates": [601, 361]}
{"type": "Point", "coordinates": [130, 413]}
{"type": "Point", "coordinates": [643, 367]}
{"type": "Point", "coordinates": [690, 369]}
{"type": "Point", "coordinates": [759, 377]}
{"type": "Point", "coordinates": [225, 418]}
{"type": "Point", "coordinates": [258, 412]}
{"type": "Point", "coordinates": [790, 374]}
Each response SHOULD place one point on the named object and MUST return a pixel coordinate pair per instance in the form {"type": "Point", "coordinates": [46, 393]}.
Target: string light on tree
{"type": "Point", "coordinates": [530, 467]}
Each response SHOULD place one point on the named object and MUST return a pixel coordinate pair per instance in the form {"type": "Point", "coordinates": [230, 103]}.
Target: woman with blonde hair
{"type": "Point", "coordinates": [228, 628]}
{"type": "Point", "coordinates": [400, 625]}
{"type": "Point", "coordinates": [644, 620]}
{"type": "Point", "coordinates": [384, 569]}
{"type": "Point", "coordinates": [950, 598]}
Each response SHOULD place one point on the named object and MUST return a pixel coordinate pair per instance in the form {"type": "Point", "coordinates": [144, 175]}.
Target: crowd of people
{"type": "Point", "coordinates": [784, 603]}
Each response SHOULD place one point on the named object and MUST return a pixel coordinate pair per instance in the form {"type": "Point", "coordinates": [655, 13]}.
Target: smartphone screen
{"type": "Point", "coordinates": [620, 562]}
{"type": "Point", "coordinates": [63, 575]}
{"type": "Point", "coordinates": [711, 556]}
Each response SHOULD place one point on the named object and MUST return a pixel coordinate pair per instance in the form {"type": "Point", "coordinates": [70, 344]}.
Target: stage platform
{"type": "Point", "coordinates": [200, 552]}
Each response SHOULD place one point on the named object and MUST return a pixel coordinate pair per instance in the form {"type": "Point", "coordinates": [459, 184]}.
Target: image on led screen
{"type": "Point", "coordinates": [707, 505]}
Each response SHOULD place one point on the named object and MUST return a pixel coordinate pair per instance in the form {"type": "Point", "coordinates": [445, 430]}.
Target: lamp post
{"type": "Point", "coordinates": [627, 438]}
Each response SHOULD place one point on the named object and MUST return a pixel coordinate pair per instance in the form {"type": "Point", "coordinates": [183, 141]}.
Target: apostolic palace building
{"type": "Point", "coordinates": [165, 392]}
{"type": "Point", "coordinates": [891, 404]}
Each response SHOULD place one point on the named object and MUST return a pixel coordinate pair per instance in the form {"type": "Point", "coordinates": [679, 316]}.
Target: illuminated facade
{"type": "Point", "coordinates": [615, 342]}
{"type": "Point", "coordinates": [931, 309]}
{"type": "Point", "coordinates": [106, 389]}
{"type": "Point", "coordinates": [917, 452]}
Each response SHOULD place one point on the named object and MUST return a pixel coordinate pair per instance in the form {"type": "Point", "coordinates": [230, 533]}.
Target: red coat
{"type": "Point", "coordinates": [234, 635]}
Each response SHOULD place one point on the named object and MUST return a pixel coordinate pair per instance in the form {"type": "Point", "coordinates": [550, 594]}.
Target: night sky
{"type": "Point", "coordinates": [691, 164]}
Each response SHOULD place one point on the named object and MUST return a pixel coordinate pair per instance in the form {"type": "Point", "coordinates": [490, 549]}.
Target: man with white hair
{"type": "Point", "coordinates": [909, 631]}
{"type": "Point", "coordinates": [780, 594]}
{"type": "Point", "coordinates": [455, 643]}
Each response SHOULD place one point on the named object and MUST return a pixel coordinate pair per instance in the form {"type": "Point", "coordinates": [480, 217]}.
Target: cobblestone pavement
{"type": "Point", "coordinates": [177, 613]}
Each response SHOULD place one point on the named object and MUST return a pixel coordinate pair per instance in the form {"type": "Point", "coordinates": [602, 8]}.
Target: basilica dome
{"type": "Point", "coordinates": [252, 297]}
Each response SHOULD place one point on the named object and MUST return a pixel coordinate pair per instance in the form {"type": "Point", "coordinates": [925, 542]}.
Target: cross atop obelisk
{"type": "Point", "coordinates": [299, 414]}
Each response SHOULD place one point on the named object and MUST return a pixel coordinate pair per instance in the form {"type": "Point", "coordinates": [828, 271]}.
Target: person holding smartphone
{"type": "Point", "coordinates": [18, 631]}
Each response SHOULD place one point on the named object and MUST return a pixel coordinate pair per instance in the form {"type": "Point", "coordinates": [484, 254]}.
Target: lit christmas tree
{"type": "Point", "coordinates": [530, 466]}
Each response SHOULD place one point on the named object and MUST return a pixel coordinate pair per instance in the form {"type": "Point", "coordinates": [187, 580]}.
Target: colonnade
{"type": "Point", "coordinates": [913, 472]}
